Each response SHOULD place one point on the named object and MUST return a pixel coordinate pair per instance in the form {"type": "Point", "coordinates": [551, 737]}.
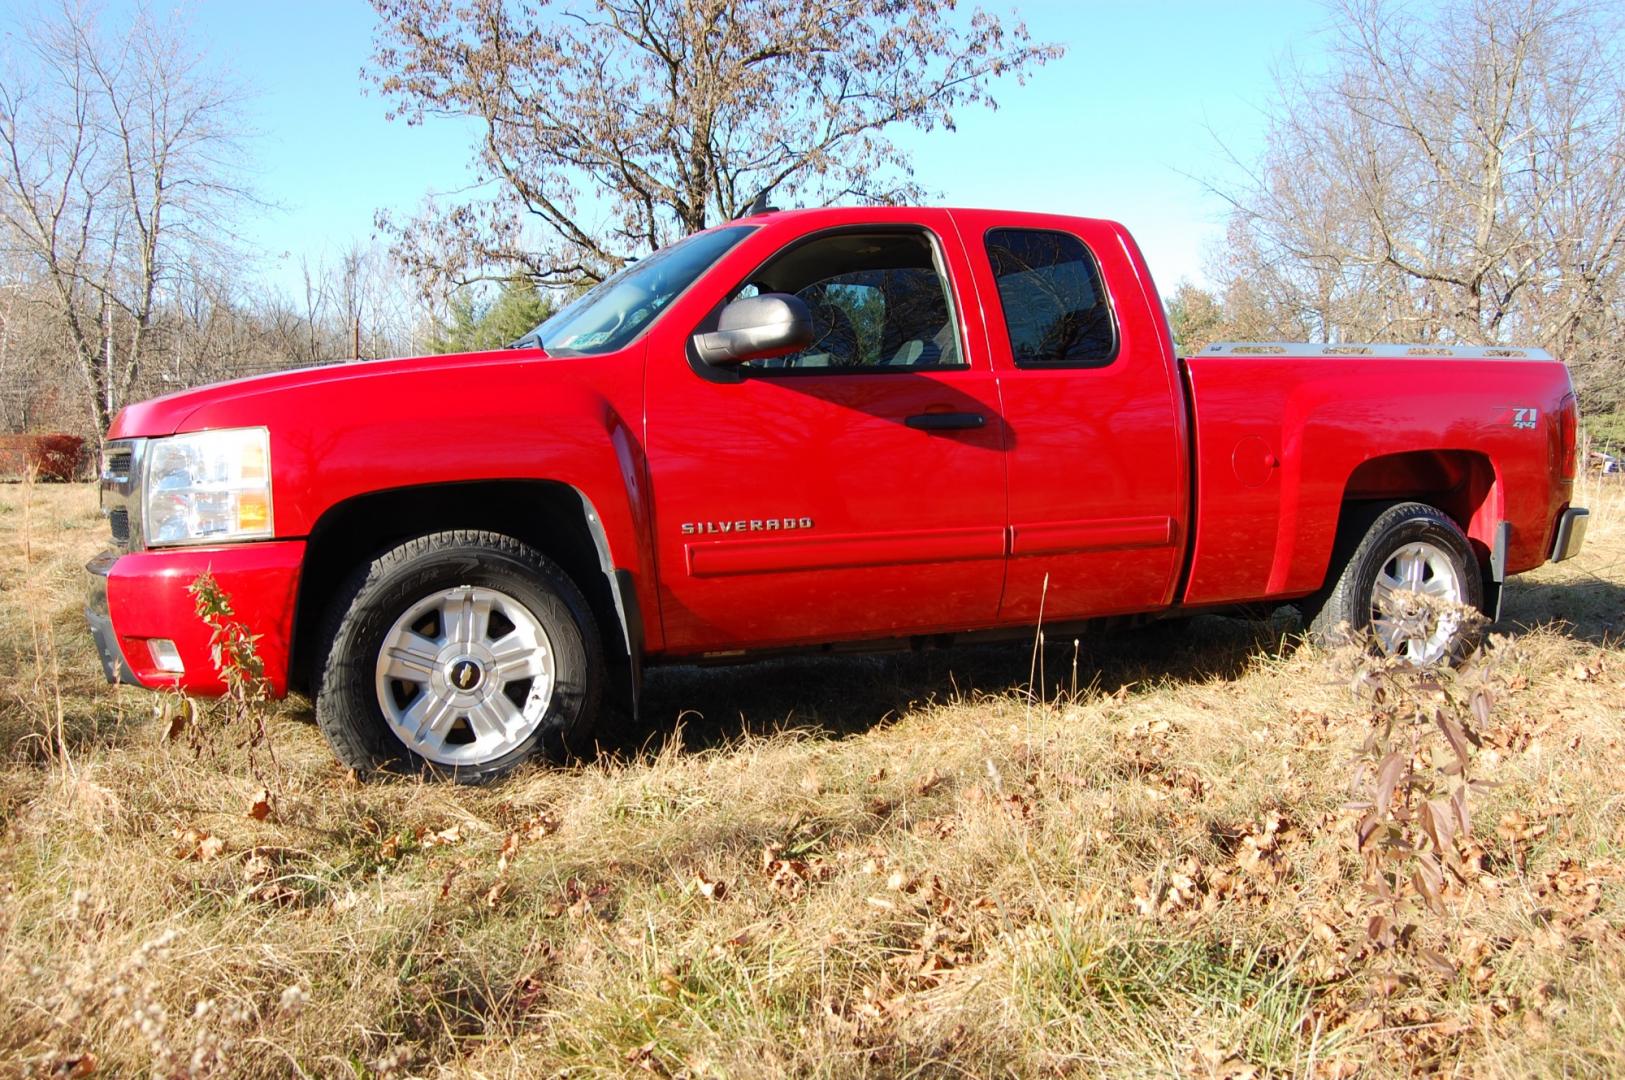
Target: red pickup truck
{"type": "Point", "coordinates": [803, 430]}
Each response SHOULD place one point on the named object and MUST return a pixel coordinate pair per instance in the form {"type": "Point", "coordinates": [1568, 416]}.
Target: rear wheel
{"type": "Point", "coordinates": [1404, 581]}
{"type": "Point", "coordinates": [459, 654]}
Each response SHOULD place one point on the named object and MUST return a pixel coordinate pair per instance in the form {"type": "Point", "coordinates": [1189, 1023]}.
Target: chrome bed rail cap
{"type": "Point", "coordinates": [1418, 351]}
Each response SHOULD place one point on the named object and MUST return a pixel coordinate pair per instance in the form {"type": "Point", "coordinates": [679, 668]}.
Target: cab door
{"type": "Point", "coordinates": [852, 490]}
{"type": "Point", "coordinates": [1097, 459]}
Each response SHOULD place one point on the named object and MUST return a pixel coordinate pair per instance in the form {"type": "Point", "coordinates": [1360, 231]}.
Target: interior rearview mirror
{"type": "Point", "coordinates": [758, 327]}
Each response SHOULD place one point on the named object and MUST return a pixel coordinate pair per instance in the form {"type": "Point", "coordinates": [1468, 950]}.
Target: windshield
{"type": "Point", "coordinates": [616, 310]}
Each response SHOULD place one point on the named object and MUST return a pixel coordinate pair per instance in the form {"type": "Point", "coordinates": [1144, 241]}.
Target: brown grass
{"type": "Point", "coordinates": [883, 866]}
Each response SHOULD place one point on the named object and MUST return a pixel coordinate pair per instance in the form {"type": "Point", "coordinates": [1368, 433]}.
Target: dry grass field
{"type": "Point", "coordinates": [899, 866]}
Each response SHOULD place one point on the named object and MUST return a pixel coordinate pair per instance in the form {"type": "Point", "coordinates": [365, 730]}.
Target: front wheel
{"type": "Point", "coordinates": [1406, 581]}
{"type": "Point", "coordinates": [459, 654]}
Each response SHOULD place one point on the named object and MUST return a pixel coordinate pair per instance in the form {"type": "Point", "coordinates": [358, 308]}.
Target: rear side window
{"type": "Point", "coordinates": [1054, 303]}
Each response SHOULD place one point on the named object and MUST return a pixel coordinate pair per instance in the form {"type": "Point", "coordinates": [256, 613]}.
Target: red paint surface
{"type": "Point", "coordinates": [147, 598]}
{"type": "Point", "coordinates": [1075, 498]}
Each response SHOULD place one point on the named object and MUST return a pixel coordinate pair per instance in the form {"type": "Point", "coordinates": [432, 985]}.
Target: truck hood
{"type": "Point", "coordinates": [168, 414]}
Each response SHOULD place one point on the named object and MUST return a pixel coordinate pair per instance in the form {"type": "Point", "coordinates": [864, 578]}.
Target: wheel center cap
{"type": "Point", "coordinates": [465, 675]}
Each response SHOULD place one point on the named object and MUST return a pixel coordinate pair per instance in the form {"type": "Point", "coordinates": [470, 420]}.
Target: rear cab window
{"type": "Point", "coordinates": [1054, 300]}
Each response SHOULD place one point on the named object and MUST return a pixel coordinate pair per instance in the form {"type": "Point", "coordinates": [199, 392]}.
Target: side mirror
{"type": "Point", "coordinates": [772, 324]}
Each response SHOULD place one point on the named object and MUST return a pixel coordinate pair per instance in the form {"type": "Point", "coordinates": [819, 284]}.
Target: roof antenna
{"type": "Point", "coordinates": [760, 206]}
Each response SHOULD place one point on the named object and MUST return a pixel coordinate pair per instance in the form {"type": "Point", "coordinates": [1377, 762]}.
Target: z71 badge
{"type": "Point", "coordinates": [699, 528]}
{"type": "Point", "coordinates": [1525, 419]}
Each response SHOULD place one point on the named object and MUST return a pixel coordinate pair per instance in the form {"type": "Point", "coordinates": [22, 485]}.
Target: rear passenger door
{"type": "Point", "coordinates": [1096, 457]}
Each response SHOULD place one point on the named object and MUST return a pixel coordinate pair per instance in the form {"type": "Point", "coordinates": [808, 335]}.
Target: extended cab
{"type": "Point", "coordinates": [799, 430]}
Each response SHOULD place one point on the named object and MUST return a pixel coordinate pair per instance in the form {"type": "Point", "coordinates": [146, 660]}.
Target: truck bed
{"type": "Point", "coordinates": [1286, 433]}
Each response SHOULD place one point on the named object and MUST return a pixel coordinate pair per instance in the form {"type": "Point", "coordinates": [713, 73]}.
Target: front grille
{"type": "Point", "coordinates": [121, 492]}
{"type": "Point", "coordinates": [116, 464]}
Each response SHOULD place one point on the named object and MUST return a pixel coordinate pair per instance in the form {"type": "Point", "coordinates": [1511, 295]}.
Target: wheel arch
{"type": "Point", "coordinates": [1461, 484]}
{"type": "Point", "coordinates": [556, 518]}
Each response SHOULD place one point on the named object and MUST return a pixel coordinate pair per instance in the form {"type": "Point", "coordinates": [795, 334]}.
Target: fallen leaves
{"type": "Point", "coordinates": [196, 845]}
{"type": "Point", "coordinates": [1586, 670]}
{"type": "Point", "coordinates": [1177, 888]}
{"type": "Point", "coordinates": [1517, 829]}
{"type": "Point", "coordinates": [1259, 867]}
{"type": "Point", "coordinates": [265, 878]}
{"type": "Point", "coordinates": [1210, 1063]}
{"type": "Point", "coordinates": [582, 901]}
{"type": "Point", "coordinates": [791, 877]}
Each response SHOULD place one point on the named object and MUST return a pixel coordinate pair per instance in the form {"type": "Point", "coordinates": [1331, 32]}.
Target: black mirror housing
{"type": "Point", "coordinates": [755, 328]}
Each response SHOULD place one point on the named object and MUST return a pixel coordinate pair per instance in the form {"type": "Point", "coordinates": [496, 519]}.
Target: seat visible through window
{"type": "Point", "coordinates": [878, 303]}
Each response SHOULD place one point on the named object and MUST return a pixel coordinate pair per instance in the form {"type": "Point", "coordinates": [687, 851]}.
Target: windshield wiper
{"type": "Point", "coordinates": [532, 338]}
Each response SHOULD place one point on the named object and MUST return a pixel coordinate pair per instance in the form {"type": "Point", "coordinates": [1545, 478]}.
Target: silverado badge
{"type": "Point", "coordinates": [700, 528]}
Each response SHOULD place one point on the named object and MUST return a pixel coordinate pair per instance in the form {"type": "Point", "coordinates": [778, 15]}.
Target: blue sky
{"type": "Point", "coordinates": [1111, 130]}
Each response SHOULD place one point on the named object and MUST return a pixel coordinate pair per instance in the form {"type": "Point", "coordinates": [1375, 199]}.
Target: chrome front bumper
{"type": "Point", "coordinates": [1571, 533]}
{"type": "Point", "coordinates": [114, 666]}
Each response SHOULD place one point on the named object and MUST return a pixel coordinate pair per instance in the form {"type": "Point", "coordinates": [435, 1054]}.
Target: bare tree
{"type": "Point", "coordinates": [1458, 175]}
{"type": "Point", "coordinates": [116, 171]}
{"type": "Point", "coordinates": [609, 127]}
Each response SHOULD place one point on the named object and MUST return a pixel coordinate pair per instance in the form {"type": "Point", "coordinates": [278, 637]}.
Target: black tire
{"type": "Point", "coordinates": [1368, 538]}
{"type": "Point", "coordinates": [367, 606]}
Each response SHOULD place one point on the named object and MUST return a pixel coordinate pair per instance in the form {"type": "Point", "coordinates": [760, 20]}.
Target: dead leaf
{"type": "Point", "coordinates": [1440, 962]}
{"type": "Point", "coordinates": [928, 783]}
{"type": "Point", "coordinates": [259, 807]}
{"type": "Point", "coordinates": [538, 825]}
{"type": "Point", "coordinates": [72, 1068]}
{"type": "Point", "coordinates": [1211, 1063]}
{"type": "Point", "coordinates": [510, 851]}
{"type": "Point", "coordinates": [452, 835]}
{"type": "Point", "coordinates": [194, 845]}
{"type": "Point", "coordinates": [1388, 774]}
{"type": "Point", "coordinates": [180, 714]}
{"type": "Point", "coordinates": [711, 890]}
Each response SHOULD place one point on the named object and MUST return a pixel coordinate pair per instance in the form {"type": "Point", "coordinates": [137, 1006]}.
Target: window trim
{"type": "Point", "coordinates": [1103, 287]}
{"type": "Point", "coordinates": [739, 373]}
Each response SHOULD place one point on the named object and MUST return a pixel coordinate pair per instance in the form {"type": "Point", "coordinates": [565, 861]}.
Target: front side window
{"type": "Point", "coordinates": [879, 303]}
{"type": "Point", "coordinates": [1055, 307]}
{"type": "Point", "coordinates": [613, 312]}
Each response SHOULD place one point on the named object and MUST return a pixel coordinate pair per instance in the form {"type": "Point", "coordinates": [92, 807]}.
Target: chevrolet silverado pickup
{"type": "Point", "coordinates": [810, 429]}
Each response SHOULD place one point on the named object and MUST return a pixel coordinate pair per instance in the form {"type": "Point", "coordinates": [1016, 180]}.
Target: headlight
{"type": "Point", "coordinates": [208, 486]}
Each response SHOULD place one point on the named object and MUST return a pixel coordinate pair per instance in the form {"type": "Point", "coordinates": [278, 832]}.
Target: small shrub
{"type": "Point", "coordinates": [1412, 785]}
{"type": "Point", "coordinates": [245, 705]}
{"type": "Point", "coordinates": [45, 457]}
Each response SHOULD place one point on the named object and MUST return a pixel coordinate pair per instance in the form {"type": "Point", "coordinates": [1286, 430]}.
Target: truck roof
{"type": "Point", "coordinates": [838, 215]}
